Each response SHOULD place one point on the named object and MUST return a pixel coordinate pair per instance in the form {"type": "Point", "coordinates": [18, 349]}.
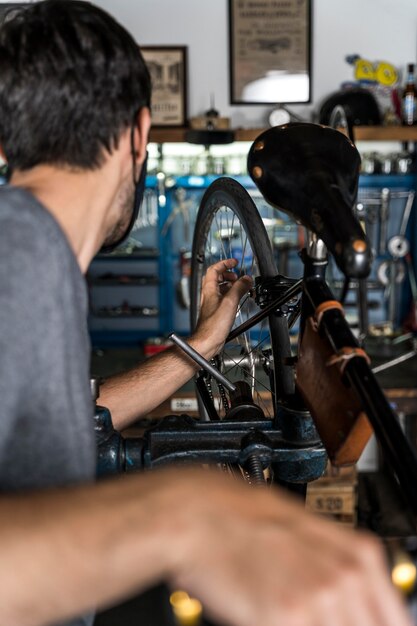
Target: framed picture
{"type": "Point", "coordinates": [270, 51]}
{"type": "Point", "coordinates": [168, 68]}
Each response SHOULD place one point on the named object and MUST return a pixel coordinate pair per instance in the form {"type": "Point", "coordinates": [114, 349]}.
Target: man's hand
{"type": "Point", "coordinates": [257, 557]}
{"type": "Point", "coordinates": [134, 394]}
{"type": "Point", "coordinates": [251, 556]}
{"type": "Point", "coordinates": [221, 293]}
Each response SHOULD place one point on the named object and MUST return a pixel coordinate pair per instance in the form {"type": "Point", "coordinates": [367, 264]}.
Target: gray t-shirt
{"type": "Point", "coordinates": [46, 411]}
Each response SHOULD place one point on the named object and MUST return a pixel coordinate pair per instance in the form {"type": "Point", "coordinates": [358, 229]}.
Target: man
{"type": "Point", "coordinates": [74, 121]}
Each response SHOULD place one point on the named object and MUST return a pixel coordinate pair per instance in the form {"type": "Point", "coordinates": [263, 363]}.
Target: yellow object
{"type": "Point", "coordinates": [386, 74]}
{"type": "Point", "coordinates": [364, 70]}
{"type": "Point", "coordinates": [178, 597]}
{"type": "Point", "coordinates": [404, 576]}
{"type": "Point", "coordinates": [188, 611]}
{"type": "Point", "coordinates": [380, 72]}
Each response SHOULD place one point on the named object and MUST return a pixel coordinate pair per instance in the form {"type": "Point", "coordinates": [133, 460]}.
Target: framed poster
{"type": "Point", "coordinates": [270, 51]}
{"type": "Point", "coordinates": [168, 68]}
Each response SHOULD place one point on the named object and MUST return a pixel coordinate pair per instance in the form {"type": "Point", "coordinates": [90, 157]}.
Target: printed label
{"type": "Point", "coordinates": [184, 404]}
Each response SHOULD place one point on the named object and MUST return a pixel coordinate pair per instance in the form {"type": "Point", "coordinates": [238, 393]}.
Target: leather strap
{"type": "Point", "coordinates": [344, 355]}
{"type": "Point", "coordinates": [326, 306]}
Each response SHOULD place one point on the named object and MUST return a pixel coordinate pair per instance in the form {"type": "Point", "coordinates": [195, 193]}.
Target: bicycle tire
{"type": "Point", "coordinates": [227, 194]}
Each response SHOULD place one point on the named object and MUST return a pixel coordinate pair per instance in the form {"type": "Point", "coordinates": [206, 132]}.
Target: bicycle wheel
{"type": "Point", "coordinates": [229, 225]}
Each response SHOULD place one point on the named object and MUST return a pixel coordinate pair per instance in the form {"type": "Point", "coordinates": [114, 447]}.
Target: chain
{"type": "Point", "coordinates": [222, 391]}
{"type": "Point", "coordinates": [224, 399]}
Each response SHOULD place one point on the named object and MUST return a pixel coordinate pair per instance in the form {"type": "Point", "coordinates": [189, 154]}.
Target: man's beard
{"type": "Point", "coordinates": [125, 202]}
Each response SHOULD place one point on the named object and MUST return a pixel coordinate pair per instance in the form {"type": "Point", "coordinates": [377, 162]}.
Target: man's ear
{"type": "Point", "coordinates": [141, 134]}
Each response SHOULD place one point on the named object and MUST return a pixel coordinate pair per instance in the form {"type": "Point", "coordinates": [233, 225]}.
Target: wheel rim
{"type": "Point", "coordinates": [248, 357]}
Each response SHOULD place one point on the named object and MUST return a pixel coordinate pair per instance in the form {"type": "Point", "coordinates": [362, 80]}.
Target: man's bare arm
{"type": "Point", "coordinates": [135, 393]}
{"type": "Point", "coordinates": [250, 555]}
{"type": "Point", "coordinates": [68, 551]}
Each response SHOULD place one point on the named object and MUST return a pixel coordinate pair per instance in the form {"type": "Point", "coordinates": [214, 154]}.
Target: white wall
{"type": "Point", "coordinates": [376, 29]}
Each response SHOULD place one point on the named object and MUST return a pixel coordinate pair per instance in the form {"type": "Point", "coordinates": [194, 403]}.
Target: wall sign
{"type": "Point", "coordinates": [270, 51]}
{"type": "Point", "coordinates": [168, 68]}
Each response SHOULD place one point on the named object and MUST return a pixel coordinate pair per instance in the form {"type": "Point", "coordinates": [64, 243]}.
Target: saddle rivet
{"type": "Point", "coordinates": [257, 171]}
{"type": "Point", "coordinates": [259, 145]}
{"type": "Point", "coordinates": [359, 246]}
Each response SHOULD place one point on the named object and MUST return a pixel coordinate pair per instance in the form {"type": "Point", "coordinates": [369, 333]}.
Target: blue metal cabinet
{"type": "Point", "coordinates": [126, 287]}
{"type": "Point", "coordinates": [287, 237]}
{"type": "Point", "coordinates": [128, 308]}
{"type": "Point", "coordinates": [389, 198]}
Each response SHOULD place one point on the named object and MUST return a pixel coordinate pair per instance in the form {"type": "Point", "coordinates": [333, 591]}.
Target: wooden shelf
{"type": "Point", "coordinates": [167, 135]}
{"type": "Point", "coordinates": [248, 134]}
{"type": "Point", "coordinates": [385, 133]}
{"type": "Point", "coordinates": [172, 135]}
{"type": "Point", "coordinates": [362, 133]}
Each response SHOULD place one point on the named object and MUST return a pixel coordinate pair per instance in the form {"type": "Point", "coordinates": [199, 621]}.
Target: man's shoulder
{"type": "Point", "coordinates": [20, 208]}
{"type": "Point", "coordinates": [27, 228]}
{"type": "Point", "coordinates": [33, 247]}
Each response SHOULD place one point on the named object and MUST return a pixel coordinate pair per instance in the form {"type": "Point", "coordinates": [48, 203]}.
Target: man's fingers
{"type": "Point", "coordinates": [222, 270]}
{"type": "Point", "coordinates": [223, 265]}
{"type": "Point", "coordinates": [242, 286]}
{"type": "Point", "coordinates": [393, 610]}
{"type": "Point", "coordinates": [365, 577]}
{"type": "Point", "coordinates": [220, 277]}
{"type": "Point", "coordinates": [225, 287]}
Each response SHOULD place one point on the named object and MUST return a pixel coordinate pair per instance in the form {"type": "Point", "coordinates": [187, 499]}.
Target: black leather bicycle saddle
{"type": "Point", "coordinates": [311, 172]}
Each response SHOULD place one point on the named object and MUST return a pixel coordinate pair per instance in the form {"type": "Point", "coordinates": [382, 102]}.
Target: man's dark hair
{"type": "Point", "coordinates": [71, 81]}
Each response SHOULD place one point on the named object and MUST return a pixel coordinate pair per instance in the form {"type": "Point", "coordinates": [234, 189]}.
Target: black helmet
{"type": "Point", "coordinates": [360, 107]}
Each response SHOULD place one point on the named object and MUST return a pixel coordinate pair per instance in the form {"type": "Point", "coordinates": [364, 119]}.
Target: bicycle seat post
{"type": "Point", "coordinates": [316, 248]}
{"type": "Point", "coordinates": [315, 260]}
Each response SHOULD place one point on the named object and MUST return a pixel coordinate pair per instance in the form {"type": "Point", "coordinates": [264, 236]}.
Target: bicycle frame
{"type": "Point", "coordinates": [329, 164]}
{"type": "Point", "coordinates": [290, 441]}
{"type": "Point", "coordinates": [358, 374]}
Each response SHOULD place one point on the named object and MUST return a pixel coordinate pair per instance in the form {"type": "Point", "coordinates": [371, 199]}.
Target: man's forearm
{"type": "Point", "coordinates": [135, 393]}
{"type": "Point", "coordinates": [69, 551]}
{"type": "Point", "coordinates": [132, 395]}
{"type": "Point", "coordinates": [250, 555]}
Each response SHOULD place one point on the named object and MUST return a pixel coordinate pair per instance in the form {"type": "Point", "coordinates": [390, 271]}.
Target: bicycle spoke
{"type": "Point", "coordinates": [226, 235]}
{"type": "Point", "coordinates": [233, 222]}
{"type": "Point", "coordinates": [242, 303]}
{"type": "Point", "coordinates": [255, 380]}
{"type": "Point", "coordinates": [229, 233]}
{"type": "Point", "coordinates": [219, 230]}
{"type": "Point", "coordinates": [251, 352]}
{"type": "Point", "coordinates": [224, 221]}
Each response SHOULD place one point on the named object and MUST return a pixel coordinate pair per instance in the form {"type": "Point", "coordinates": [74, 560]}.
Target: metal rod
{"type": "Point", "coordinates": [407, 211]}
{"type": "Point", "coordinates": [383, 220]}
{"type": "Point", "coordinates": [363, 308]}
{"type": "Point", "coordinates": [201, 361]}
{"type": "Point", "coordinates": [396, 361]}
